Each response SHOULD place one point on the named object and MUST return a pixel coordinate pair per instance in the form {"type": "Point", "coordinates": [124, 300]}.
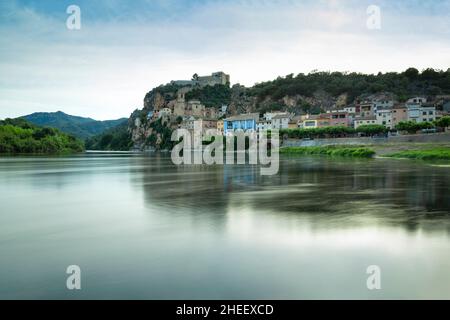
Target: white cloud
{"type": "Point", "coordinates": [104, 70]}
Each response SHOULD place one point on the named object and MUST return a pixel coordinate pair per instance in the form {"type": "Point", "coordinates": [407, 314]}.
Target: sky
{"type": "Point", "coordinates": [125, 48]}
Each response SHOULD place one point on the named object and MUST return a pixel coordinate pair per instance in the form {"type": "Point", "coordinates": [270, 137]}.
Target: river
{"type": "Point", "coordinates": [140, 227]}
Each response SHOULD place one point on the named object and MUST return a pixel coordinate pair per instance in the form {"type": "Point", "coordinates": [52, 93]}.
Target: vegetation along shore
{"type": "Point", "coordinates": [334, 151]}
{"type": "Point", "coordinates": [427, 154]}
{"type": "Point", "coordinates": [18, 136]}
{"type": "Point", "coordinates": [419, 152]}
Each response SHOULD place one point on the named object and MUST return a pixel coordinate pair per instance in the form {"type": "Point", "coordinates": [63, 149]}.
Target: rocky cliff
{"type": "Point", "coordinates": [305, 93]}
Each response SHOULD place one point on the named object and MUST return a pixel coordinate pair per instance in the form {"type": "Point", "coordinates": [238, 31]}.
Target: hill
{"type": "Point", "coordinates": [78, 126]}
{"type": "Point", "coordinates": [299, 94]}
{"type": "Point", "coordinates": [116, 139]}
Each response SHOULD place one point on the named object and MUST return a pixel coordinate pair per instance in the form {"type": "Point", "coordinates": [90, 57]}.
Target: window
{"type": "Point", "coordinates": [430, 112]}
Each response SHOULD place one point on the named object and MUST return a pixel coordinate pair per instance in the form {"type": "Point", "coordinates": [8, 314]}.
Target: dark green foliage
{"type": "Point", "coordinates": [167, 91]}
{"type": "Point", "coordinates": [211, 96]}
{"type": "Point", "coordinates": [335, 151]}
{"type": "Point", "coordinates": [410, 82]}
{"type": "Point", "coordinates": [333, 132]}
{"type": "Point", "coordinates": [19, 136]}
{"type": "Point", "coordinates": [372, 129]}
{"type": "Point", "coordinates": [77, 126]}
{"type": "Point", "coordinates": [413, 127]}
{"type": "Point", "coordinates": [115, 139]}
{"type": "Point", "coordinates": [165, 134]}
{"type": "Point", "coordinates": [326, 132]}
{"type": "Point", "coordinates": [443, 122]}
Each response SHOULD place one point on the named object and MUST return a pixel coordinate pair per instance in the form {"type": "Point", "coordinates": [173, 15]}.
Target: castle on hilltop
{"type": "Point", "coordinates": [203, 81]}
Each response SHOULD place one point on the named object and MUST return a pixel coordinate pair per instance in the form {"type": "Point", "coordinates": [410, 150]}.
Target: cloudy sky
{"type": "Point", "coordinates": [125, 48]}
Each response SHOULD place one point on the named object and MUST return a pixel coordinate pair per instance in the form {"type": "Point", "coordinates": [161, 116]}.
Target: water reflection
{"type": "Point", "coordinates": [325, 192]}
{"type": "Point", "coordinates": [142, 228]}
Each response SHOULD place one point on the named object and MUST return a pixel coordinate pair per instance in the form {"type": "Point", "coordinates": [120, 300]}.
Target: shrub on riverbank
{"type": "Point", "coordinates": [317, 132]}
{"type": "Point", "coordinates": [335, 151]}
{"type": "Point", "coordinates": [333, 132]}
{"type": "Point", "coordinates": [430, 154]}
{"type": "Point", "coordinates": [412, 127]}
{"type": "Point", "coordinates": [20, 136]}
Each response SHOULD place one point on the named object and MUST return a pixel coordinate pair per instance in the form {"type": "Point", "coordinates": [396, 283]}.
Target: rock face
{"type": "Point", "coordinates": [155, 101]}
{"type": "Point", "coordinates": [139, 131]}
{"type": "Point", "coordinates": [241, 100]}
{"type": "Point", "coordinates": [147, 132]}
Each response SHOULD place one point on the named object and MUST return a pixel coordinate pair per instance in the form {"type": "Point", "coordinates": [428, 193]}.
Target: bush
{"type": "Point", "coordinates": [211, 96]}
{"type": "Point", "coordinates": [372, 129]}
{"type": "Point", "coordinates": [337, 151]}
{"type": "Point", "coordinates": [413, 127]}
{"type": "Point", "coordinates": [443, 122]}
{"type": "Point", "coordinates": [430, 154]}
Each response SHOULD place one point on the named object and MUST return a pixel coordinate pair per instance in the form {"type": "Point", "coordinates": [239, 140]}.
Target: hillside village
{"type": "Point", "coordinates": [176, 106]}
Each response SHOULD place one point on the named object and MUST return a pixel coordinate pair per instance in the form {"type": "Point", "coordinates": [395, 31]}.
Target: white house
{"type": "Point", "coordinates": [419, 113]}
{"type": "Point", "coordinates": [384, 117]}
{"type": "Point", "coordinates": [362, 121]}
{"type": "Point", "coordinates": [269, 115]}
{"type": "Point", "coordinates": [383, 104]}
{"type": "Point", "coordinates": [280, 121]}
{"type": "Point", "coordinates": [350, 109]}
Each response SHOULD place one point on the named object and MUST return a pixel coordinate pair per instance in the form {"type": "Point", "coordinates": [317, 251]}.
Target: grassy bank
{"type": "Point", "coordinates": [334, 151]}
{"type": "Point", "coordinates": [428, 154]}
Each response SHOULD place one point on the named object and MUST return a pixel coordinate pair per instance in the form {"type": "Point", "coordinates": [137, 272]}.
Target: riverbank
{"type": "Point", "coordinates": [428, 154]}
{"type": "Point", "coordinates": [333, 151]}
{"type": "Point", "coordinates": [423, 151]}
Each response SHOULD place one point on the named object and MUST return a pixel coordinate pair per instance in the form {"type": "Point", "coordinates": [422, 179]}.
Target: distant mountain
{"type": "Point", "coordinates": [78, 126]}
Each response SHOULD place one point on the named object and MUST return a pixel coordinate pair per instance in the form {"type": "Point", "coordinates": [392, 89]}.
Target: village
{"type": "Point", "coordinates": [380, 109]}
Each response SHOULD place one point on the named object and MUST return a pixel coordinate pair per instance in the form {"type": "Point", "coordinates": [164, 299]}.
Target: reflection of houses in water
{"type": "Point", "coordinates": [387, 192]}
{"type": "Point", "coordinates": [237, 176]}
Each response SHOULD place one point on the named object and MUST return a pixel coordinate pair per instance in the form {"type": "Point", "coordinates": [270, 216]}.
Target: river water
{"type": "Point", "coordinates": [140, 227]}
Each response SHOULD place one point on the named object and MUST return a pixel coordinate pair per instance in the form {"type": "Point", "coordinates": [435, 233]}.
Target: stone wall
{"type": "Point", "coordinates": [418, 138]}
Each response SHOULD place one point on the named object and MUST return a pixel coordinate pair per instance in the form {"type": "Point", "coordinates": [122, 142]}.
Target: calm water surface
{"type": "Point", "coordinates": [142, 228]}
